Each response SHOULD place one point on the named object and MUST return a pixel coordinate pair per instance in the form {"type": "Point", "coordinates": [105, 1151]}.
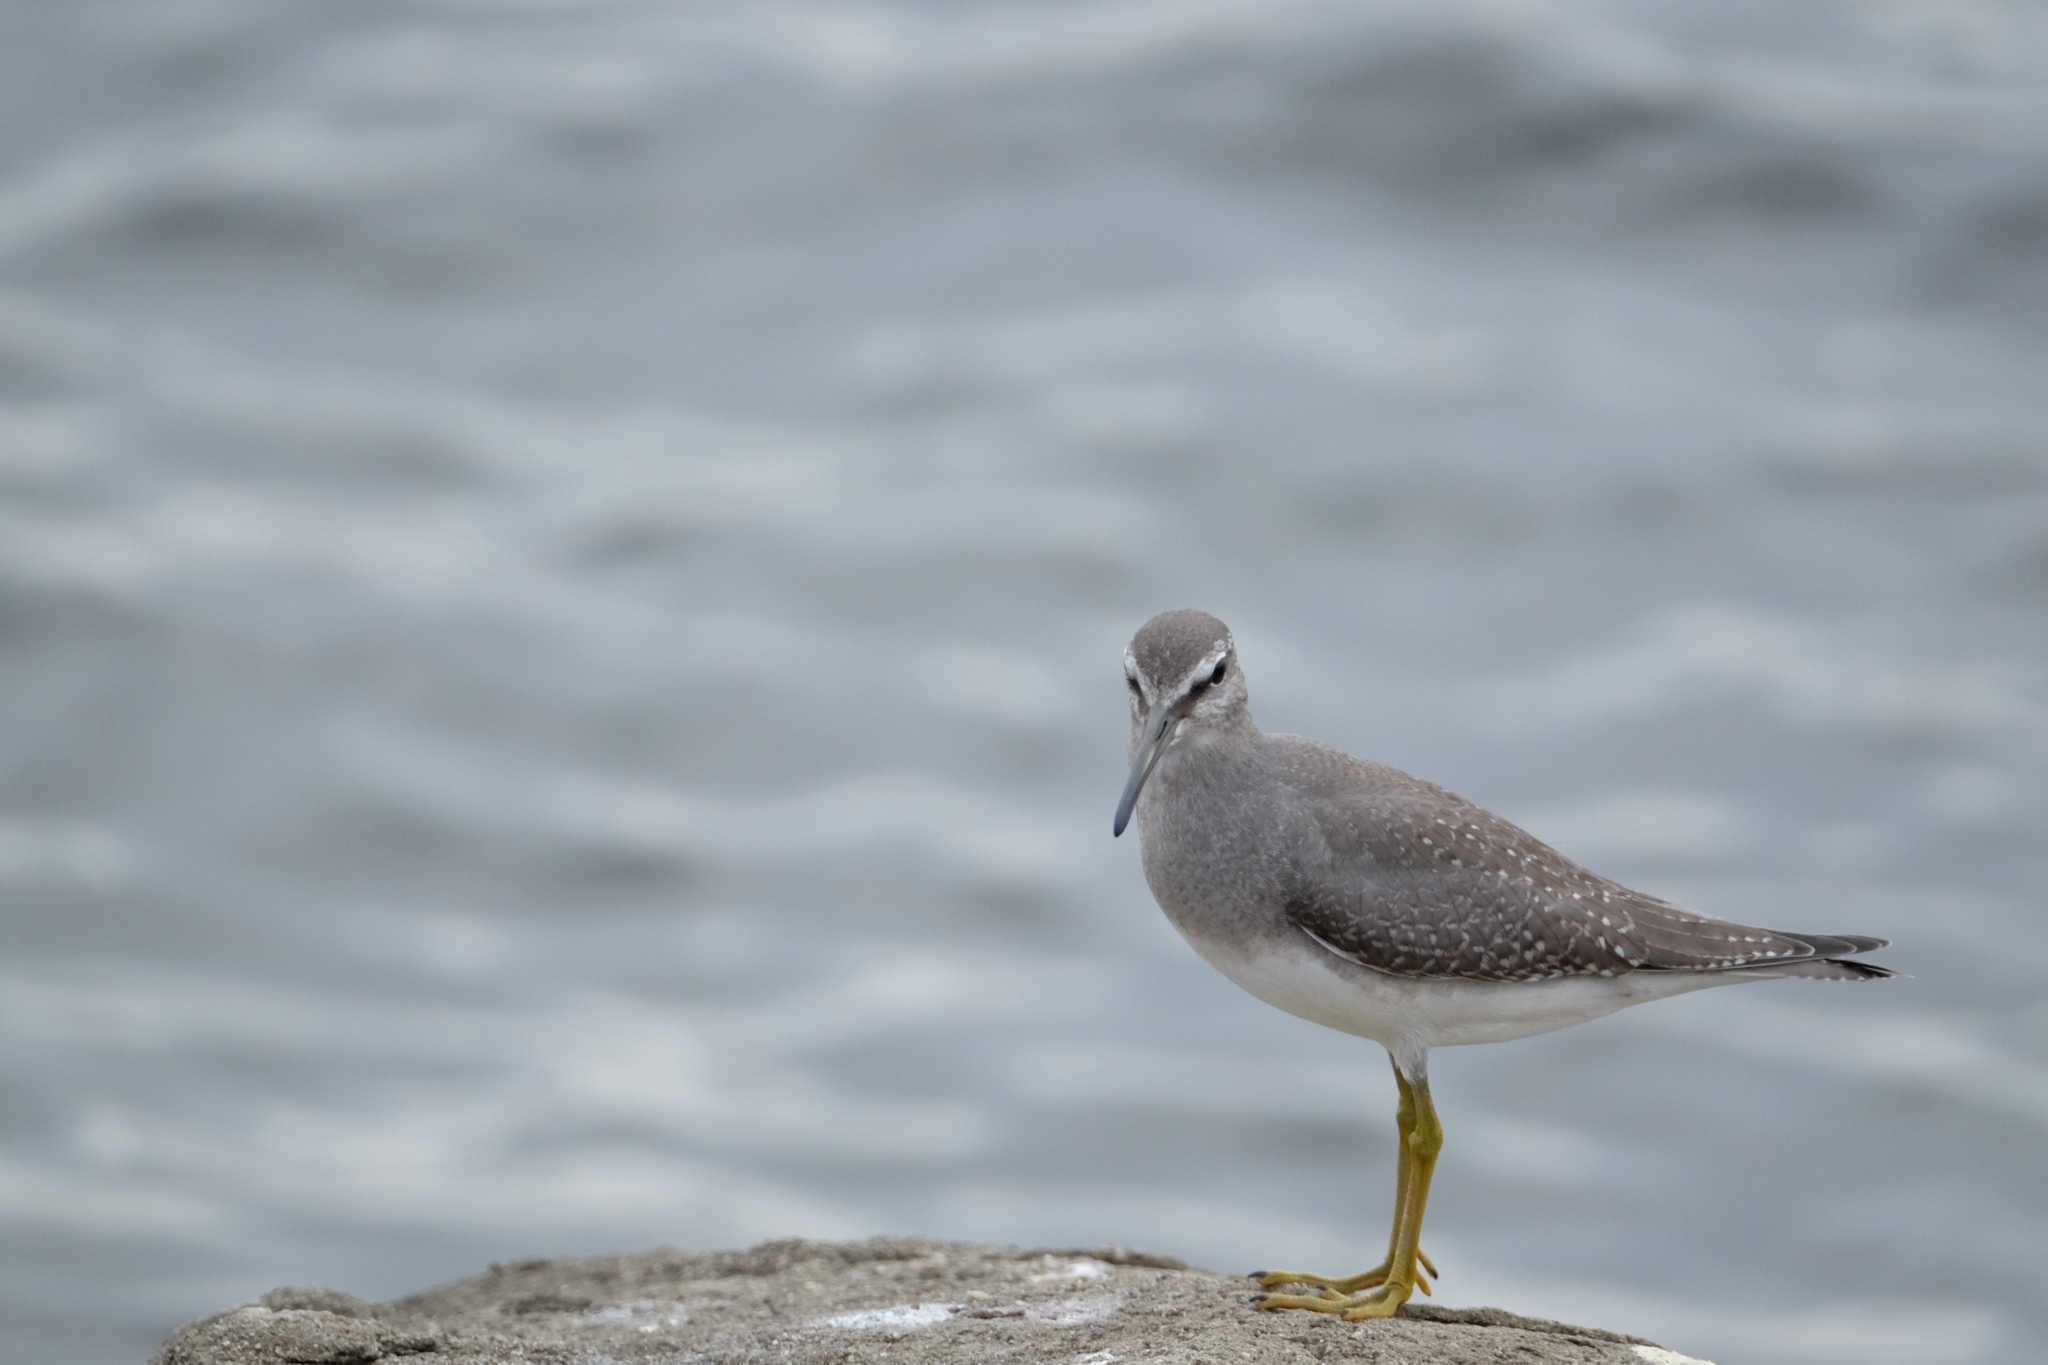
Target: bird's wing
{"type": "Point", "coordinates": [1419, 882]}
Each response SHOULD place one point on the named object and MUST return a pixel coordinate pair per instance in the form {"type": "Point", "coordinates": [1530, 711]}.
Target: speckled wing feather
{"type": "Point", "coordinates": [1419, 882]}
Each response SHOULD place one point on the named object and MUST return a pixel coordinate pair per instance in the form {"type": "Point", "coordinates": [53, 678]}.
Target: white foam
{"type": "Point", "coordinates": [1657, 1355]}
{"type": "Point", "coordinates": [1078, 1311]}
{"type": "Point", "coordinates": [1079, 1268]}
{"type": "Point", "coordinates": [902, 1317]}
{"type": "Point", "coordinates": [645, 1314]}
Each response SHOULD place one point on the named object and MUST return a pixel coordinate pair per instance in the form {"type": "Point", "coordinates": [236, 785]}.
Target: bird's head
{"type": "Point", "coordinates": [1182, 675]}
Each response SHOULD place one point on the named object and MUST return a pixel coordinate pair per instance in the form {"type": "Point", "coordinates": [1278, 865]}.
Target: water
{"type": "Point", "coordinates": [562, 573]}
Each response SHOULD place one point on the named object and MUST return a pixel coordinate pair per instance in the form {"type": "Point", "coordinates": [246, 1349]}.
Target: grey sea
{"type": "Point", "coordinates": [563, 573]}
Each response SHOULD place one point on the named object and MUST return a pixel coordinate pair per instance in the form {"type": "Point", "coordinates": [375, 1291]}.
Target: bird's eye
{"type": "Point", "coordinates": [1135, 690]}
{"type": "Point", "coordinates": [1221, 666]}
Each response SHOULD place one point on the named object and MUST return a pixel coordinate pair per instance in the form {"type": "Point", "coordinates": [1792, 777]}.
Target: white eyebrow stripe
{"type": "Point", "coordinates": [1135, 677]}
{"type": "Point", "coordinates": [1216, 655]}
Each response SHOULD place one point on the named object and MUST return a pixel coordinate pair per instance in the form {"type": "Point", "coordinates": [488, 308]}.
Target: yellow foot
{"type": "Point", "coordinates": [1380, 1302]}
{"type": "Point", "coordinates": [1350, 1284]}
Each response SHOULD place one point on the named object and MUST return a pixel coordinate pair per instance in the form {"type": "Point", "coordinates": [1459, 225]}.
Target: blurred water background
{"type": "Point", "coordinates": [563, 571]}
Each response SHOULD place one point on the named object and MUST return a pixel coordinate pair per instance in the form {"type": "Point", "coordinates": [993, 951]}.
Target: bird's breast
{"type": "Point", "coordinates": [1217, 855]}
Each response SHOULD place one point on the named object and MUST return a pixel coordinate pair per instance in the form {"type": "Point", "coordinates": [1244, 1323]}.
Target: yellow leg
{"type": "Point", "coordinates": [1404, 1165]}
{"type": "Point", "coordinates": [1389, 1286]}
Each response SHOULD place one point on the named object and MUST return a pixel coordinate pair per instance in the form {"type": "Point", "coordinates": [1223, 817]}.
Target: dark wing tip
{"type": "Point", "coordinates": [1838, 945]}
{"type": "Point", "coordinates": [1828, 969]}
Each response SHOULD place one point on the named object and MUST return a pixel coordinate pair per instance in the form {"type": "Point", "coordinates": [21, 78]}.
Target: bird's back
{"type": "Point", "coordinates": [1402, 876]}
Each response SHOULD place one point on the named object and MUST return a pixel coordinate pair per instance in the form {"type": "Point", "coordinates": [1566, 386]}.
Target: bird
{"type": "Point", "coordinates": [1356, 896]}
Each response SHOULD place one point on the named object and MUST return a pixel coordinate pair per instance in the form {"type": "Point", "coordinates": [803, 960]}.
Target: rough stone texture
{"type": "Point", "coordinates": [809, 1303]}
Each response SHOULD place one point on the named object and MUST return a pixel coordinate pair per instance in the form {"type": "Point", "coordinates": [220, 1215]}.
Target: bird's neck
{"type": "Point", "coordinates": [1207, 760]}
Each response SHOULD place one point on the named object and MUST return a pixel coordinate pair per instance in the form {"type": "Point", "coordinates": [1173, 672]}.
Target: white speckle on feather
{"type": "Point", "coordinates": [902, 1317]}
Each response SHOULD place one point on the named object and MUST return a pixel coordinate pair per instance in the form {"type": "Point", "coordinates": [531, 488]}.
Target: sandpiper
{"type": "Point", "coordinates": [1381, 905]}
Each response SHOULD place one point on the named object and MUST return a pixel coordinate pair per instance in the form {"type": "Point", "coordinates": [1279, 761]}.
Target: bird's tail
{"type": "Point", "coordinates": [1825, 969]}
{"type": "Point", "coordinates": [1830, 960]}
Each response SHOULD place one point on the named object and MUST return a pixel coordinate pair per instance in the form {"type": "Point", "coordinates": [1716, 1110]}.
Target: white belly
{"type": "Point", "coordinates": [1406, 1014]}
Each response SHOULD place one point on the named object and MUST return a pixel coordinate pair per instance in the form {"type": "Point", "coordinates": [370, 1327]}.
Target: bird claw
{"type": "Point", "coordinates": [1382, 1302]}
{"type": "Point", "coordinates": [1421, 1282]}
{"type": "Point", "coordinates": [1351, 1284]}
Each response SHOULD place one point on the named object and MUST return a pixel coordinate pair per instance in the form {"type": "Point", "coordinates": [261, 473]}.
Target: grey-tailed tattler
{"type": "Point", "coordinates": [1383, 906]}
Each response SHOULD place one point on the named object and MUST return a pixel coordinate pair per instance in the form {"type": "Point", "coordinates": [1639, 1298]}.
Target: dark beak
{"type": "Point", "coordinates": [1142, 765]}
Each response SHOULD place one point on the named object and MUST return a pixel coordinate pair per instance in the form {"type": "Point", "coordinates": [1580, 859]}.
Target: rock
{"type": "Point", "coordinates": [275, 1337]}
{"type": "Point", "coordinates": [896, 1300]}
{"type": "Point", "coordinates": [326, 1300]}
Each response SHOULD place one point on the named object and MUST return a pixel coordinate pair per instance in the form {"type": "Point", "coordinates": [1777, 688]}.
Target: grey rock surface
{"type": "Point", "coordinates": [904, 1301]}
